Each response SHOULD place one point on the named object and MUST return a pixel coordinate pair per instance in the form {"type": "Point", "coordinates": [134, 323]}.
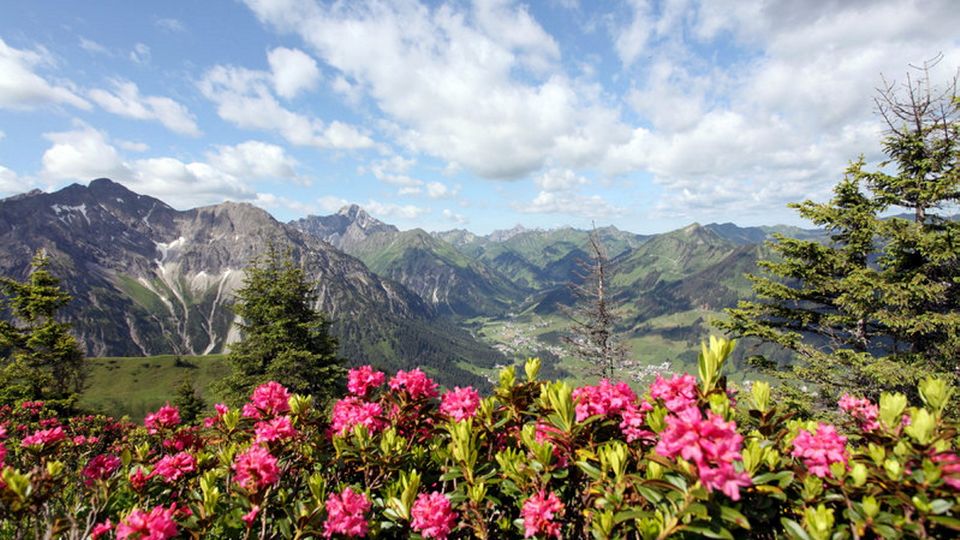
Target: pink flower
{"type": "Point", "coordinates": [212, 420]}
{"type": "Point", "coordinates": [677, 393]}
{"type": "Point", "coordinates": [101, 529]}
{"type": "Point", "coordinates": [277, 429]}
{"type": "Point", "coordinates": [100, 468]}
{"type": "Point", "coordinates": [711, 444]}
{"type": "Point", "coordinates": [432, 515]}
{"type": "Point", "coordinates": [165, 417]}
{"type": "Point", "coordinates": [632, 423]}
{"type": "Point", "coordinates": [949, 465]}
{"type": "Point", "coordinates": [604, 399]}
{"type": "Point", "coordinates": [156, 525]}
{"type": "Point", "coordinates": [820, 450]}
{"type": "Point", "coordinates": [32, 405]}
{"type": "Point", "coordinates": [864, 412]}
{"type": "Point", "coordinates": [44, 437]}
{"type": "Point", "coordinates": [415, 382]}
{"type": "Point", "coordinates": [138, 479]}
{"type": "Point", "coordinates": [174, 467]}
{"type": "Point", "coordinates": [725, 478]}
{"type": "Point", "coordinates": [460, 403]}
{"type": "Point", "coordinates": [3, 456]}
{"type": "Point", "coordinates": [345, 514]}
{"type": "Point", "coordinates": [538, 513]}
{"type": "Point", "coordinates": [251, 516]}
{"type": "Point", "coordinates": [351, 411]}
{"type": "Point", "coordinates": [270, 398]}
{"type": "Point", "coordinates": [362, 379]}
{"type": "Point", "coordinates": [256, 468]}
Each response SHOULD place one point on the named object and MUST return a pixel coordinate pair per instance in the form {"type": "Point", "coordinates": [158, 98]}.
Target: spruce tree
{"type": "Point", "coordinates": [189, 401]}
{"type": "Point", "coordinates": [877, 305]}
{"type": "Point", "coordinates": [41, 360]}
{"type": "Point", "coordinates": [283, 338]}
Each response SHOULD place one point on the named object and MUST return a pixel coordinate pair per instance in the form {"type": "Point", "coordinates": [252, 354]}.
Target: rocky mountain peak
{"type": "Point", "coordinates": [504, 235]}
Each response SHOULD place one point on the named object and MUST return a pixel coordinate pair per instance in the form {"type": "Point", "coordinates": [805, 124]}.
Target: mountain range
{"type": "Point", "coordinates": [149, 279]}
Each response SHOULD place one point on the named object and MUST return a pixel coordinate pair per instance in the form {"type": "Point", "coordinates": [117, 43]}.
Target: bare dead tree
{"type": "Point", "coordinates": [593, 316]}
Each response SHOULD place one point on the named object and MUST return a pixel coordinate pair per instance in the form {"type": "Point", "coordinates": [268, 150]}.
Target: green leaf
{"type": "Point", "coordinates": [733, 515]}
{"type": "Point", "coordinates": [948, 522]}
{"type": "Point", "coordinates": [794, 530]}
{"type": "Point", "coordinates": [708, 531]}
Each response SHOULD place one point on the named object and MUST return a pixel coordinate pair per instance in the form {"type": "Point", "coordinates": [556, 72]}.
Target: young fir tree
{"type": "Point", "coordinates": [189, 401]}
{"type": "Point", "coordinates": [41, 360]}
{"type": "Point", "coordinates": [593, 335]}
{"type": "Point", "coordinates": [875, 307]}
{"type": "Point", "coordinates": [283, 338]}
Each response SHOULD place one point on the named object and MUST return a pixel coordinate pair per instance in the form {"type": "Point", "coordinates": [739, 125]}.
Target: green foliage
{"type": "Point", "coordinates": [283, 338]}
{"type": "Point", "coordinates": [877, 306]}
{"type": "Point", "coordinates": [189, 401]}
{"type": "Point", "coordinates": [40, 359]}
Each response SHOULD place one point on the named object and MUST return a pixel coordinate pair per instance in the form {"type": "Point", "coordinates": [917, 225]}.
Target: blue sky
{"type": "Point", "coordinates": [481, 115]}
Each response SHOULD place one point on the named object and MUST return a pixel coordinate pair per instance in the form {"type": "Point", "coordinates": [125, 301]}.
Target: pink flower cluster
{"type": "Point", "coordinates": [158, 524]}
{"type": "Point", "coordinates": [351, 411]}
{"type": "Point", "coordinates": [949, 464]}
{"type": "Point", "coordinates": [270, 398]}
{"type": "Point", "coordinates": [677, 393]}
{"type": "Point", "coordinates": [100, 468]}
{"type": "Point", "coordinates": [821, 449]}
{"type": "Point", "coordinates": [346, 514]}
{"type": "Point", "coordinates": [362, 379]}
{"type": "Point", "coordinates": [712, 444]}
{"type": "Point", "coordinates": [433, 517]}
{"type": "Point", "coordinates": [44, 437]}
{"type": "Point", "coordinates": [415, 382]}
{"type": "Point", "coordinates": [221, 410]}
{"type": "Point", "coordinates": [174, 467]}
{"type": "Point", "coordinates": [460, 403]}
{"type": "Point", "coordinates": [862, 410]}
{"type": "Point", "coordinates": [166, 417]}
{"type": "Point", "coordinates": [256, 468]}
{"type": "Point", "coordinates": [538, 514]}
{"type": "Point", "coordinates": [279, 428]}
{"type": "Point", "coordinates": [606, 399]}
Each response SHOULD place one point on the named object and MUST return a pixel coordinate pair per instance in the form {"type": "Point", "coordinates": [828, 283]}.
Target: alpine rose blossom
{"type": "Point", "coordinates": [101, 529]}
{"type": "Point", "coordinates": [158, 524]}
{"type": "Point", "coordinates": [415, 382]}
{"type": "Point", "coordinates": [724, 478]}
{"type": "Point", "coordinates": [44, 437]}
{"type": "Point", "coordinates": [362, 379]}
{"type": "Point", "coordinates": [538, 513]}
{"type": "Point", "coordinates": [862, 410]}
{"type": "Point", "coordinates": [677, 393]}
{"type": "Point", "coordinates": [632, 423]}
{"type": "Point", "coordinates": [271, 398]}
{"type": "Point", "coordinates": [100, 468]}
{"type": "Point", "coordinates": [277, 429]}
{"type": "Point", "coordinates": [346, 514]}
{"type": "Point", "coordinates": [251, 516]}
{"type": "Point", "coordinates": [603, 399]}
{"type": "Point", "coordinates": [174, 467]}
{"type": "Point", "coordinates": [256, 468]}
{"type": "Point", "coordinates": [433, 516]}
{"type": "Point", "coordinates": [351, 411]}
{"type": "Point", "coordinates": [821, 449]}
{"type": "Point", "coordinates": [165, 417]}
{"type": "Point", "coordinates": [460, 403]}
{"type": "Point", "coordinates": [949, 464]}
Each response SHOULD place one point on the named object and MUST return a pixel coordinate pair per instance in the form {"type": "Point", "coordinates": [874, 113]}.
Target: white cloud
{"type": "Point", "coordinates": [125, 100]}
{"type": "Point", "coordinates": [454, 217]}
{"type": "Point", "coordinates": [569, 203]}
{"type": "Point", "coordinates": [85, 153]}
{"type": "Point", "coordinates": [140, 54]}
{"type": "Point", "coordinates": [254, 159]}
{"type": "Point", "coordinates": [9, 183]}
{"type": "Point", "coordinates": [631, 40]}
{"type": "Point", "coordinates": [391, 210]}
{"type": "Point", "coordinates": [2, 135]}
{"type": "Point", "coordinates": [92, 46]}
{"type": "Point", "coordinates": [171, 25]}
{"type": "Point", "coordinates": [480, 88]}
{"type": "Point", "coordinates": [439, 190]}
{"type": "Point", "coordinates": [22, 88]}
{"type": "Point", "coordinates": [133, 146]}
{"type": "Point", "coordinates": [243, 98]}
{"type": "Point", "coordinates": [293, 70]}
{"type": "Point", "coordinates": [330, 203]}
{"type": "Point", "coordinates": [393, 171]}
{"type": "Point", "coordinates": [559, 180]}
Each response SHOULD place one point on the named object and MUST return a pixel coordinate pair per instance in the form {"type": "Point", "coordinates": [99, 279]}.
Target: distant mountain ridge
{"type": "Point", "coordinates": [149, 279]}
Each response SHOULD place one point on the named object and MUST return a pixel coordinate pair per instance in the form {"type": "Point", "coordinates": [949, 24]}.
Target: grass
{"type": "Point", "coordinates": [135, 386]}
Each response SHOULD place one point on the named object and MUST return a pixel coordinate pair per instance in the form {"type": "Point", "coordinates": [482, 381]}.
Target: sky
{"type": "Point", "coordinates": [646, 115]}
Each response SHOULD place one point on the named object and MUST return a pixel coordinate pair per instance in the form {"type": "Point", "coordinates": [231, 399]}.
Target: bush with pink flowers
{"type": "Point", "coordinates": [400, 458]}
